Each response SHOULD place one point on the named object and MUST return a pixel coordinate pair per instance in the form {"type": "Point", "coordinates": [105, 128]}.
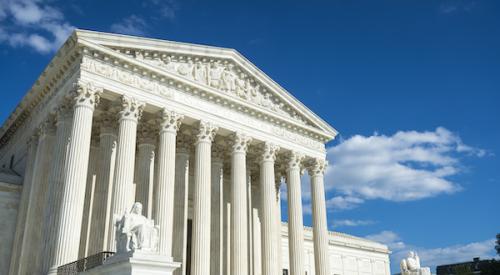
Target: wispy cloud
{"type": "Point", "coordinates": [457, 6]}
{"type": "Point", "coordinates": [406, 166]}
{"type": "Point", "coordinates": [133, 25]}
{"type": "Point", "coordinates": [433, 257]}
{"type": "Point", "coordinates": [34, 24]}
{"type": "Point", "coordinates": [351, 223]}
{"type": "Point", "coordinates": [165, 8]}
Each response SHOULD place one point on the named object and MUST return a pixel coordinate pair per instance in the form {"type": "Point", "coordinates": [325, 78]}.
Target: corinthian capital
{"type": "Point", "coordinates": [269, 152]}
{"type": "Point", "coordinates": [317, 167]}
{"type": "Point", "coordinates": [240, 142]}
{"type": "Point", "coordinates": [206, 132]}
{"type": "Point", "coordinates": [47, 127]}
{"type": "Point", "coordinates": [131, 108]}
{"type": "Point", "coordinates": [86, 94]}
{"type": "Point", "coordinates": [294, 160]}
{"type": "Point", "coordinates": [146, 133]}
{"type": "Point", "coordinates": [170, 121]}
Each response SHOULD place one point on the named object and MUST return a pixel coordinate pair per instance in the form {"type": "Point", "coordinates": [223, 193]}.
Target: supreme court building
{"type": "Point", "coordinates": [197, 134]}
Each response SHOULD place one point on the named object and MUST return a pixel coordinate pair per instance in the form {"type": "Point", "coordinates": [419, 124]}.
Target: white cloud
{"type": "Point", "coordinates": [33, 23]}
{"type": "Point", "coordinates": [133, 25]}
{"type": "Point", "coordinates": [351, 223]}
{"type": "Point", "coordinates": [408, 165]}
{"type": "Point", "coordinates": [433, 257]}
{"type": "Point", "coordinates": [166, 8]}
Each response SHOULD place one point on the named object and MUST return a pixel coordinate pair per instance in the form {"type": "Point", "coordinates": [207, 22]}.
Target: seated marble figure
{"type": "Point", "coordinates": [135, 232]}
{"type": "Point", "coordinates": [411, 265]}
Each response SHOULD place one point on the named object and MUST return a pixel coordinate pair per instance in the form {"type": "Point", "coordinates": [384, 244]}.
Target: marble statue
{"type": "Point", "coordinates": [411, 265]}
{"type": "Point", "coordinates": [135, 232]}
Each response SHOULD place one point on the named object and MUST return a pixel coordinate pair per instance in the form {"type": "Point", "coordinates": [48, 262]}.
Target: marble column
{"type": "Point", "coordinates": [31, 263]}
{"type": "Point", "coordinates": [216, 214]}
{"type": "Point", "coordinates": [99, 227]}
{"type": "Point", "coordinates": [179, 234]}
{"type": "Point", "coordinates": [73, 194]}
{"type": "Point", "coordinates": [123, 181]}
{"type": "Point", "coordinates": [200, 253]}
{"type": "Point", "coordinates": [295, 219]}
{"type": "Point", "coordinates": [268, 207]}
{"type": "Point", "coordinates": [164, 204]}
{"type": "Point", "coordinates": [89, 197]}
{"type": "Point", "coordinates": [226, 196]}
{"type": "Point", "coordinates": [239, 215]}
{"type": "Point", "coordinates": [249, 218]}
{"type": "Point", "coordinates": [19, 236]}
{"type": "Point", "coordinates": [145, 168]}
{"type": "Point", "coordinates": [320, 229]}
{"type": "Point", "coordinates": [64, 119]}
{"type": "Point", "coordinates": [277, 229]}
{"type": "Point", "coordinates": [256, 235]}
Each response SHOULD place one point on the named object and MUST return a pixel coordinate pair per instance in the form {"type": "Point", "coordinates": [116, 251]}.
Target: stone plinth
{"type": "Point", "coordinates": [137, 263]}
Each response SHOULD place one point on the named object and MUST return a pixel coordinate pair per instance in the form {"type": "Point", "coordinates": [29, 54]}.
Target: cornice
{"type": "Point", "coordinates": [166, 80]}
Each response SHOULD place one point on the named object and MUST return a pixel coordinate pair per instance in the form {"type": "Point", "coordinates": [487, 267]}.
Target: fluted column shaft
{"type": "Point", "coordinates": [320, 229]}
{"type": "Point", "coordinates": [164, 204]}
{"type": "Point", "coordinates": [56, 183]}
{"type": "Point", "coordinates": [122, 198]}
{"type": "Point", "coordinates": [268, 200]}
{"type": "Point", "coordinates": [70, 222]}
{"type": "Point", "coordinates": [277, 229]}
{"type": "Point", "coordinates": [23, 206]}
{"type": "Point", "coordinates": [179, 234]}
{"type": "Point", "coordinates": [85, 235]}
{"type": "Point", "coordinates": [38, 199]}
{"type": "Point", "coordinates": [216, 218]}
{"type": "Point", "coordinates": [200, 254]}
{"type": "Point", "coordinates": [145, 175]}
{"type": "Point", "coordinates": [295, 219]}
{"type": "Point", "coordinates": [103, 186]}
{"type": "Point", "coordinates": [239, 226]}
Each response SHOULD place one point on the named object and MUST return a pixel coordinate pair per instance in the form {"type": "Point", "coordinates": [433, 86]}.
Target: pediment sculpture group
{"type": "Point", "coordinates": [221, 77]}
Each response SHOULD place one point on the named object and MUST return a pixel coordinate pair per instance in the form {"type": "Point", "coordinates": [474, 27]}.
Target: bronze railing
{"type": "Point", "coordinates": [84, 264]}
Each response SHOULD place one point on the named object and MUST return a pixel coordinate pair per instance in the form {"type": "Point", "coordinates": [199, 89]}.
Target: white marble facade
{"type": "Point", "coordinates": [198, 135]}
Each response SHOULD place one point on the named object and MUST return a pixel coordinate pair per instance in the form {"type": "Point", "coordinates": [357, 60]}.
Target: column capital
{"type": "Point", "coordinates": [218, 152]}
{"type": "Point", "coordinates": [107, 123]}
{"type": "Point", "coordinates": [64, 110]}
{"type": "Point", "coordinates": [146, 133]}
{"type": "Point", "coordinates": [317, 167]}
{"type": "Point", "coordinates": [184, 143]}
{"type": "Point", "coordinates": [47, 127]}
{"type": "Point", "coordinates": [86, 94]}
{"type": "Point", "coordinates": [269, 151]}
{"type": "Point", "coordinates": [131, 108]}
{"type": "Point", "coordinates": [206, 132]}
{"type": "Point", "coordinates": [240, 142]}
{"type": "Point", "coordinates": [294, 160]}
{"type": "Point", "coordinates": [170, 121]}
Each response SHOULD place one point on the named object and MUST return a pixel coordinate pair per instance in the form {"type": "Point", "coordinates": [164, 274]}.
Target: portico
{"type": "Point", "coordinates": [198, 135]}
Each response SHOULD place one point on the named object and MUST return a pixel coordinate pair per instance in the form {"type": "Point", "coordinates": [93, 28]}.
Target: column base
{"type": "Point", "coordinates": [137, 263]}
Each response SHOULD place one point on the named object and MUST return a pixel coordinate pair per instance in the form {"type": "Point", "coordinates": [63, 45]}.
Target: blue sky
{"type": "Point", "coordinates": [412, 86]}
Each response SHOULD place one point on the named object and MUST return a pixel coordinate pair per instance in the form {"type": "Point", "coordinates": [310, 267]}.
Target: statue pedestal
{"type": "Point", "coordinates": [137, 263]}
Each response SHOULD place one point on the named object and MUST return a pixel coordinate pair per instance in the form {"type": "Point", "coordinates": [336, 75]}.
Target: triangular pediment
{"type": "Point", "coordinates": [220, 69]}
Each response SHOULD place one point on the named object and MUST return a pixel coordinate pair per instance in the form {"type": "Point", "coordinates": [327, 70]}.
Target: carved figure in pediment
{"type": "Point", "coordinates": [240, 86]}
{"type": "Point", "coordinates": [200, 73]}
{"type": "Point", "coordinates": [266, 101]}
{"type": "Point", "coordinates": [215, 75]}
{"type": "Point", "coordinates": [168, 64]}
{"type": "Point", "coordinates": [186, 69]}
{"type": "Point", "coordinates": [228, 79]}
